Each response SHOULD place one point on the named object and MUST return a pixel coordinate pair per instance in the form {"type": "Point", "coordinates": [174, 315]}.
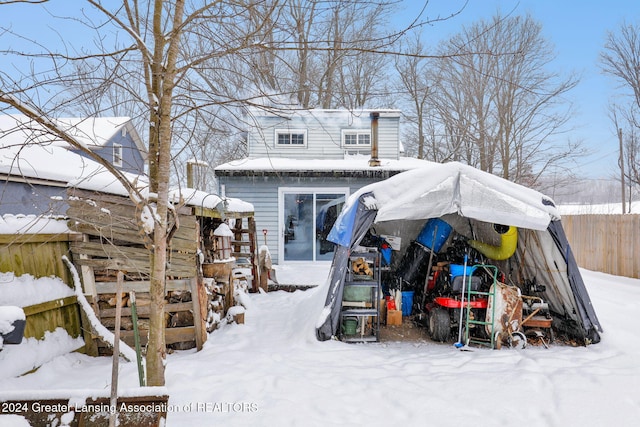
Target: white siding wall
{"type": "Point", "coordinates": [324, 134]}
{"type": "Point", "coordinates": [262, 192]}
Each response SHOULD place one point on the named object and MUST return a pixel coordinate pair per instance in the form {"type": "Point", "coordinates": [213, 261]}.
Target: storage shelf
{"type": "Point", "coordinates": [360, 312]}
{"type": "Point", "coordinates": [367, 284]}
{"type": "Point", "coordinates": [369, 313]}
{"type": "Point", "coordinates": [358, 338]}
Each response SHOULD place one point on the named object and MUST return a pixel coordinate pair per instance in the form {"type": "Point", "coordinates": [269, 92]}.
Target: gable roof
{"type": "Point", "coordinates": [28, 153]}
{"type": "Point", "coordinates": [93, 132]}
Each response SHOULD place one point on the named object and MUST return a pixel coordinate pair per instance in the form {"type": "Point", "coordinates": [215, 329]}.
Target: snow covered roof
{"type": "Point", "coordinates": [47, 162]}
{"type": "Point", "coordinates": [349, 163]}
{"type": "Point", "coordinates": [320, 113]}
{"type": "Point", "coordinates": [438, 189]}
{"type": "Point", "coordinates": [53, 163]}
{"type": "Point", "coordinates": [32, 224]}
{"type": "Point", "coordinates": [197, 198]}
{"type": "Point", "coordinates": [26, 152]}
{"type": "Point", "coordinates": [90, 131]}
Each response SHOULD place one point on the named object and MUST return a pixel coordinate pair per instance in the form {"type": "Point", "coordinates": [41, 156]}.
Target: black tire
{"type": "Point", "coordinates": [439, 324]}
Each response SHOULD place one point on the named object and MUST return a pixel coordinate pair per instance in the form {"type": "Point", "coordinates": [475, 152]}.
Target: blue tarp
{"type": "Point", "coordinates": [342, 231]}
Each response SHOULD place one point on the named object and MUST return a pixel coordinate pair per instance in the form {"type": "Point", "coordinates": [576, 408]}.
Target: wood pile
{"type": "Point", "coordinates": [114, 241]}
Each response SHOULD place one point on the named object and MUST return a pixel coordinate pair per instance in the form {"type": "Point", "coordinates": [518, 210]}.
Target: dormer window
{"type": "Point", "coordinates": [291, 137]}
{"type": "Point", "coordinates": [356, 138]}
{"type": "Point", "coordinates": [117, 155]}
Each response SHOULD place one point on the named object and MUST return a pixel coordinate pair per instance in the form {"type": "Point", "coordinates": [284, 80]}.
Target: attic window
{"type": "Point", "coordinates": [356, 138]}
{"type": "Point", "coordinates": [291, 138]}
{"type": "Point", "coordinates": [117, 154]}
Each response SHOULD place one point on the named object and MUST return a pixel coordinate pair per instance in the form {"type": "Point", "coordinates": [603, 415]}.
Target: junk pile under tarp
{"type": "Point", "coordinates": [473, 258]}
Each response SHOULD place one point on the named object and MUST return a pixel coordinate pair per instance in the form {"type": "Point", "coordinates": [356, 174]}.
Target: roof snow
{"type": "Point", "coordinates": [349, 163]}
{"type": "Point", "coordinates": [198, 198]}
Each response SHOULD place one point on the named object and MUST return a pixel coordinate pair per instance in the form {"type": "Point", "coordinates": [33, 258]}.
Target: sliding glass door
{"type": "Point", "coordinates": [307, 216]}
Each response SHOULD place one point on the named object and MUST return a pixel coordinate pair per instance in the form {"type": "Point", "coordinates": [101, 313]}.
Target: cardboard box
{"type": "Point", "coordinates": [394, 317]}
{"type": "Point", "coordinates": [382, 312]}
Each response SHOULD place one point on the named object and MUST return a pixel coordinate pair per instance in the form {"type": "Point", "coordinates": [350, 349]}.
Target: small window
{"type": "Point", "coordinates": [117, 155]}
{"type": "Point", "coordinates": [356, 138]}
{"type": "Point", "coordinates": [291, 138]}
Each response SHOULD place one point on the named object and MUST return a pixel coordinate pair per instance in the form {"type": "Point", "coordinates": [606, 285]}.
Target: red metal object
{"type": "Point", "coordinates": [448, 302]}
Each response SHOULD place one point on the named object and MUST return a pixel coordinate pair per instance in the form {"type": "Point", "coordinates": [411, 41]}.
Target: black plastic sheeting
{"type": "Point", "coordinates": [413, 266]}
{"type": "Point", "coordinates": [590, 323]}
{"type": "Point", "coordinates": [363, 220]}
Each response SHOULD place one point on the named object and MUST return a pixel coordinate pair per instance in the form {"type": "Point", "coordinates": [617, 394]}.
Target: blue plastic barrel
{"type": "Point", "coordinates": [407, 303]}
{"type": "Point", "coordinates": [437, 227]}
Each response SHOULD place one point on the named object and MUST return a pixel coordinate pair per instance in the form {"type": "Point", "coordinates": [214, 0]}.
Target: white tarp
{"type": "Point", "coordinates": [439, 189]}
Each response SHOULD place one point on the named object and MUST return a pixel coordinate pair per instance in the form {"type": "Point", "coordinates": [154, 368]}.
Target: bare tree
{"type": "Point", "coordinates": [180, 66]}
{"type": "Point", "coordinates": [499, 105]}
{"type": "Point", "coordinates": [153, 65]}
{"type": "Point", "coordinates": [414, 79]}
{"type": "Point", "coordinates": [330, 56]}
{"type": "Point", "coordinates": [621, 59]}
{"type": "Point", "coordinates": [625, 121]}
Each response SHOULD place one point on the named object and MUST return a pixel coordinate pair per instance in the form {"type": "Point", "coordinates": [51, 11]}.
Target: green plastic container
{"type": "Point", "coordinates": [357, 293]}
{"type": "Point", "coordinates": [350, 326]}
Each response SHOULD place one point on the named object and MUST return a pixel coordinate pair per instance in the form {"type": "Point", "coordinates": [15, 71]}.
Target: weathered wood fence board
{"type": "Point", "coordinates": [37, 254]}
{"type": "Point", "coordinates": [607, 243]}
{"type": "Point", "coordinates": [40, 255]}
{"type": "Point", "coordinates": [114, 241]}
{"type": "Point", "coordinates": [47, 316]}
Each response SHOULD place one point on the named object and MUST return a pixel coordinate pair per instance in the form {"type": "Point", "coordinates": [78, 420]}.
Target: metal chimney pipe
{"type": "Point", "coordinates": [373, 161]}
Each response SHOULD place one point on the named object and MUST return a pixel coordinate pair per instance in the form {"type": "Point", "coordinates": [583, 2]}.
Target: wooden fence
{"type": "Point", "coordinates": [40, 255]}
{"type": "Point", "coordinates": [37, 254]}
{"type": "Point", "coordinates": [607, 243]}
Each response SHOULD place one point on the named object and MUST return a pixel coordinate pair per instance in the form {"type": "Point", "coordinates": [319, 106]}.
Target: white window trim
{"type": "Point", "coordinates": [117, 155]}
{"type": "Point", "coordinates": [356, 132]}
{"type": "Point", "coordinates": [290, 132]}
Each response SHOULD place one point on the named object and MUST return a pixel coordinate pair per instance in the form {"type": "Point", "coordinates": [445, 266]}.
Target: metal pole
{"type": "Point", "coordinates": [113, 416]}
{"type": "Point", "coordinates": [624, 208]}
{"type": "Point", "coordinates": [136, 336]}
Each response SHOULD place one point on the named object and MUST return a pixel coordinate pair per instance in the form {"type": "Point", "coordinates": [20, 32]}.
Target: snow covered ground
{"type": "Point", "coordinates": [271, 371]}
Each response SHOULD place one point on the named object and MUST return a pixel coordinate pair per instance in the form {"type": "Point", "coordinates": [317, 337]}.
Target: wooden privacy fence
{"type": "Point", "coordinates": [40, 255]}
{"type": "Point", "coordinates": [47, 316]}
{"type": "Point", "coordinates": [607, 243]}
{"type": "Point", "coordinates": [37, 254]}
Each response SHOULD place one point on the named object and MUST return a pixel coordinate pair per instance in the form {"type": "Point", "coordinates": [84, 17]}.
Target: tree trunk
{"type": "Point", "coordinates": [164, 81]}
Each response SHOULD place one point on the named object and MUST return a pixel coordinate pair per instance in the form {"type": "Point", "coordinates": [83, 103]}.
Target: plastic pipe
{"type": "Point", "coordinates": [507, 247]}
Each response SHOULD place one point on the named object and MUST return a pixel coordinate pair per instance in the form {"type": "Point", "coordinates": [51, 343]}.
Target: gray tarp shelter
{"type": "Point", "coordinates": [471, 201]}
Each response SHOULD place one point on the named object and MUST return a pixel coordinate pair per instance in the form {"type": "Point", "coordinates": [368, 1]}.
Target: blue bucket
{"type": "Point", "coordinates": [426, 236]}
{"type": "Point", "coordinates": [458, 270]}
{"type": "Point", "coordinates": [407, 303]}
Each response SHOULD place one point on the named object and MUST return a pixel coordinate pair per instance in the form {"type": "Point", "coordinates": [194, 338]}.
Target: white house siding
{"type": "Point", "coordinates": [323, 134]}
{"type": "Point", "coordinates": [262, 192]}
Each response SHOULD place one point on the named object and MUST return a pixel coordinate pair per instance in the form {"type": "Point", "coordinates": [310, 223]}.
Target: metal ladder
{"type": "Point", "coordinates": [468, 339]}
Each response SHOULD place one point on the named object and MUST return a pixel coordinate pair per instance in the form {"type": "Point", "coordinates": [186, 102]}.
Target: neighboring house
{"type": "Point", "coordinates": [301, 168]}
{"type": "Point", "coordinates": [36, 166]}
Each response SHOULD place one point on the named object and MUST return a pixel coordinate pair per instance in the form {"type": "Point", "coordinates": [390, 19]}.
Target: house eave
{"type": "Point", "coordinates": [362, 173]}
